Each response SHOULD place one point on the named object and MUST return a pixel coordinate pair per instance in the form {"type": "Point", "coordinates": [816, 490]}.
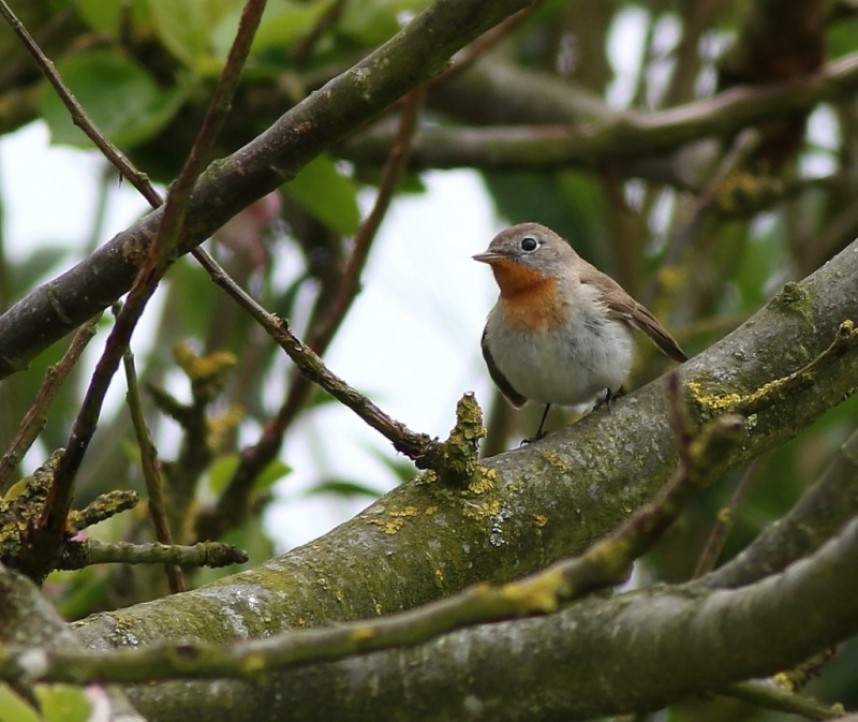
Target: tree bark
{"type": "Point", "coordinates": [426, 540]}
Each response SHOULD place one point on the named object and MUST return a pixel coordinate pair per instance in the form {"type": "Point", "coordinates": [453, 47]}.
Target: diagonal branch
{"type": "Point", "coordinates": [415, 54]}
{"type": "Point", "coordinates": [49, 534]}
{"type": "Point", "coordinates": [425, 540]}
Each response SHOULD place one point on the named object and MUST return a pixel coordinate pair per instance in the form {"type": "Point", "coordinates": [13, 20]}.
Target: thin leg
{"type": "Point", "coordinates": [611, 396]}
{"type": "Point", "coordinates": [540, 430]}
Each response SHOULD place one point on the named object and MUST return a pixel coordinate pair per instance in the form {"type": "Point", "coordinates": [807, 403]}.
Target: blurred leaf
{"type": "Point", "coordinates": [342, 487]}
{"type": "Point", "coordinates": [81, 592]}
{"type": "Point", "coordinates": [105, 15]}
{"type": "Point", "coordinates": [118, 95]}
{"type": "Point", "coordinates": [570, 203]}
{"type": "Point", "coordinates": [271, 474]}
{"type": "Point", "coordinates": [841, 37]}
{"type": "Point", "coordinates": [192, 31]}
{"type": "Point", "coordinates": [14, 708]}
{"type": "Point", "coordinates": [373, 21]}
{"type": "Point", "coordinates": [764, 256]}
{"type": "Point", "coordinates": [223, 468]}
{"type": "Point", "coordinates": [285, 22]}
{"type": "Point", "coordinates": [40, 263]}
{"type": "Point", "coordinates": [327, 194]}
{"type": "Point", "coordinates": [403, 469]}
{"type": "Point", "coordinates": [221, 471]}
{"type": "Point", "coordinates": [63, 703]}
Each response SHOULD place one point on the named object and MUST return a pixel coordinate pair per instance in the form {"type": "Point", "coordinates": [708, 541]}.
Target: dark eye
{"type": "Point", "coordinates": [528, 244]}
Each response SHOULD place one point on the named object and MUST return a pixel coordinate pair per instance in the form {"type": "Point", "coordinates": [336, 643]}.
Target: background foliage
{"type": "Point", "coordinates": [703, 230]}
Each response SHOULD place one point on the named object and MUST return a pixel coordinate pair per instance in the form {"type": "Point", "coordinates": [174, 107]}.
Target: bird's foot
{"type": "Point", "coordinates": [531, 439]}
{"type": "Point", "coordinates": [611, 396]}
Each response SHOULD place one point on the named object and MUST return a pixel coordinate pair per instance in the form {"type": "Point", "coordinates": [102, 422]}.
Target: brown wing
{"type": "Point", "coordinates": [515, 398]}
{"type": "Point", "coordinates": [621, 304]}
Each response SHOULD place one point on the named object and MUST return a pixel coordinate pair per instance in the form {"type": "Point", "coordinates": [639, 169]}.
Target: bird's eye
{"type": "Point", "coordinates": [528, 244]}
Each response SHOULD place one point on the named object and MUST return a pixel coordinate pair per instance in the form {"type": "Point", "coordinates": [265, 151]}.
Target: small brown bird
{"type": "Point", "coordinates": [561, 331]}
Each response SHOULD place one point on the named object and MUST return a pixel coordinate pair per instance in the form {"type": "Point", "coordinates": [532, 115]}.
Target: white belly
{"type": "Point", "coordinates": [570, 367]}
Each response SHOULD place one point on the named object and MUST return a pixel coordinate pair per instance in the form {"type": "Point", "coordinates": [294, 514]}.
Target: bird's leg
{"type": "Point", "coordinates": [540, 430]}
{"type": "Point", "coordinates": [611, 396]}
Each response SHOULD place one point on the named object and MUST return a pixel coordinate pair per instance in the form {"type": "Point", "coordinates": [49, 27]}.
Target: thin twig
{"type": "Point", "coordinates": [78, 115]}
{"type": "Point", "coordinates": [471, 53]}
{"type": "Point", "coordinates": [727, 517]}
{"type": "Point", "coordinates": [233, 501]}
{"type": "Point", "coordinates": [606, 563]}
{"type": "Point", "coordinates": [418, 447]}
{"type": "Point", "coordinates": [77, 555]}
{"type": "Point", "coordinates": [391, 175]}
{"type": "Point", "coordinates": [303, 49]}
{"type": "Point", "coordinates": [768, 696]}
{"type": "Point", "coordinates": [151, 472]}
{"type": "Point", "coordinates": [53, 522]}
{"type": "Point", "coordinates": [706, 205]}
{"type": "Point", "coordinates": [34, 420]}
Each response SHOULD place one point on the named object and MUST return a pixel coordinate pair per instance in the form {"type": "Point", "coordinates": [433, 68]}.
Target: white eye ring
{"type": "Point", "coordinates": [528, 244]}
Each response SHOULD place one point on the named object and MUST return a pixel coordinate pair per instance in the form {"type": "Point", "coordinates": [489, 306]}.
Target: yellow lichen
{"type": "Point", "coordinates": [483, 509]}
{"type": "Point", "coordinates": [537, 594]}
{"type": "Point", "coordinates": [202, 368]}
{"type": "Point", "coordinates": [483, 482]}
{"type": "Point", "coordinates": [363, 634]}
{"type": "Point", "coordinates": [713, 403]}
{"type": "Point", "coordinates": [540, 520]}
{"type": "Point", "coordinates": [554, 460]}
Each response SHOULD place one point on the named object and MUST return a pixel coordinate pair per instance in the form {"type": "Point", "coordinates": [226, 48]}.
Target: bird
{"type": "Point", "coordinates": [562, 331]}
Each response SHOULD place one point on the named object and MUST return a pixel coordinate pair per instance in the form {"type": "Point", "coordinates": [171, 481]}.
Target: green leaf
{"type": "Point", "coordinates": [271, 474]}
{"type": "Point", "coordinates": [14, 708]}
{"type": "Point", "coordinates": [105, 16]}
{"type": "Point", "coordinates": [285, 22]}
{"type": "Point", "coordinates": [63, 703]}
{"type": "Point", "coordinates": [221, 471]}
{"type": "Point", "coordinates": [223, 468]}
{"type": "Point", "coordinates": [342, 487]}
{"type": "Point", "coordinates": [185, 27]}
{"type": "Point", "coordinates": [118, 95]}
{"type": "Point", "coordinates": [327, 194]}
{"type": "Point", "coordinates": [374, 21]}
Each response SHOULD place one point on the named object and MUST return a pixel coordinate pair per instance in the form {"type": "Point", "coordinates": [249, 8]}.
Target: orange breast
{"type": "Point", "coordinates": [529, 298]}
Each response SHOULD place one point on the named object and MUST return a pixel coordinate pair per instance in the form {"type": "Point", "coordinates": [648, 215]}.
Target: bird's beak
{"type": "Point", "coordinates": [488, 257]}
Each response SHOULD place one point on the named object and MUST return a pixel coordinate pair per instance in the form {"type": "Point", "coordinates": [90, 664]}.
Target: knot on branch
{"type": "Point", "coordinates": [455, 461]}
{"type": "Point", "coordinates": [776, 390]}
{"type": "Point", "coordinates": [22, 508]}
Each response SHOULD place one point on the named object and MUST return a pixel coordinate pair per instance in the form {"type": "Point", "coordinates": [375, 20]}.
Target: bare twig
{"type": "Point", "coordinates": [76, 555]}
{"type": "Point", "coordinates": [416, 446]}
{"type": "Point", "coordinates": [768, 696]}
{"type": "Point", "coordinates": [232, 504]}
{"type": "Point", "coordinates": [78, 115]}
{"type": "Point", "coordinates": [151, 472]}
{"type": "Point", "coordinates": [34, 420]}
{"type": "Point", "coordinates": [607, 562]}
{"type": "Point", "coordinates": [470, 54]}
{"type": "Point", "coordinates": [53, 521]}
{"type": "Point", "coordinates": [727, 517]}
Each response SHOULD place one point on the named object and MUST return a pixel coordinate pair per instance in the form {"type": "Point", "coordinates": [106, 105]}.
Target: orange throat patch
{"type": "Point", "coordinates": [529, 298]}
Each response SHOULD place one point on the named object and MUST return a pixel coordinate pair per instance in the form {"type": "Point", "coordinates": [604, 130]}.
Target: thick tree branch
{"type": "Point", "coordinates": [620, 138]}
{"type": "Point", "coordinates": [576, 664]}
{"type": "Point", "coordinates": [346, 102]}
{"type": "Point", "coordinates": [28, 616]}
{"type": "Point", "coordinates": [820, 513]}
{"type": "Point", "coordinates": [547, 500]}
